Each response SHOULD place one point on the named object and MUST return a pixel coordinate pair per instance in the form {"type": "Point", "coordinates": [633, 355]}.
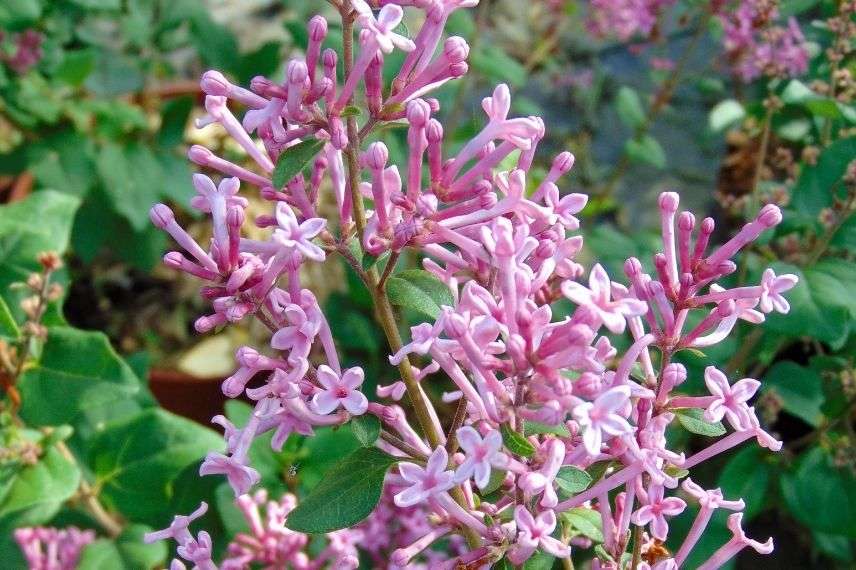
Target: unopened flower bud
{"type": "Point", "coordinates": [686, 221]}
{"type": "Point", "coordinates": [199, 155]}
{"type": "Point", "coordinates": [49, 260]}
{"type": "Point", "coordinates": [55, 292]}
{"type": "Point", "coordinates": [456, 49]}
{"type": "Point", "coordinates": [563, 162]}
{"type": "Point", "coordinates": [317, 28]}
{"type": "Point", "coordinates": [418, 112]}
{"type": "Point", "coordinates": [161, 215]}
{"type": "Point", "coordinates": [434, 131]}
{"type": "Point", "coordinates": [669, 202]}
{"type": "Point", "coordinates": [769, 216]}
{"type": "Point", "coordinates": [376, 156]}
{"type": "Point", "coordinates": [214, 83]}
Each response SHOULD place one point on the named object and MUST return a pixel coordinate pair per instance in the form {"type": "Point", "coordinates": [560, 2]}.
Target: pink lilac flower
{"type": "Point", "coordinates": [729, 400]}
{"type": "Point", "coordinates": [598, 298]}
{"type": "Point", "coordinates": [599, 417]}
{"type": "Point", "coordinates": [481, 455]}
{"type": "Point", "coordinates": [425, 482]}
{"type": "Point", "coordinates": [772, 287]}
{"type": "Point", "coordinates": [654, 512]}
{"type": "Point", "coordinates": [51, 548]}
{"type": "Point", "coordinates": [340, 391]}
{"type": "Point", "coordinates": [533, 533]}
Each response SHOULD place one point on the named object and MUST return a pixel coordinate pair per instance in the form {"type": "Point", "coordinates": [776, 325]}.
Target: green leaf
{"type": "Point", "coordinates": [814, 188]}
{"type": "Point", "coordinates": [293, 160]}
{"type": "Point", "coordinates": [693, 421]}
{"type": "Point", "coordinates": [174, 116]}
{"type": "Point", "coordinates": [800, 389]}
{"type": "Point", "coordinates": [539, 561]}
{"type": "Point", "coordinates": [821, 495]}
{"type": "Point", "coordinates": [572, 480]}
{"type": "Point", "coordinates": [132, 179]}
{"type": "Point", "coordinates": [81, 381]}
{"type": "Point", "coordinates": [725, 115]}
{"type": "Point", "coordinates": [126, 552]}
{"type": "Point", "coordinates": [39, 223]}
{"type": "Point", "coordinates": [348, 493]}
{"type": "Point", "coordinates": [419, 290]}
{"type": "Point", "coordinates": [495, 64]}
{"type": "Point", "coordinates": [76, 66]}
{"type": "Point", "coordinates": [747, 475]}
{"type": "Point", "coordinates": [14, 13]}
{"type": "Point", "coordinates": [99, 554]}
{"type": "Point", "coordinates": [8, 327]}
{"type": "Point", "coordinates": [135, 461]}
{"type": "Point", "coordinates": [584, 521]}
{"type": "Point", "coordinates": [114, 74]}
{"type": "Point", "coordinates": [797, 93]}
{"type": "Point", "coordinates": [535, 428]}
{"type": "Point", "coordinates": [35, 493]}
{"type": "Point", "coordinates": [646, 150]}
{"type": "Point", "coordinates": [496, 480]}
{"type": "Point", "coordinates": [818, 307]}
{"type": "Point", "coordinates": [215, 43]}
{"type": "Point", "coordinates": [629, 106]}
{"type": "Point", "coordinates": [366, 429]}
{"type": "Point", "coordinates": [516, 443]}
{"type": "Point", "coordinates": [835, 545]}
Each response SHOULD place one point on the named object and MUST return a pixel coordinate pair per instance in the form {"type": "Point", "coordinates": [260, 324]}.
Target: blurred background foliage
{"type": "Point", "coordinates": [97, 99]}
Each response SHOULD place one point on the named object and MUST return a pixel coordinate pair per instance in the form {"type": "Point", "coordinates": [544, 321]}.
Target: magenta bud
{"type": "Point", "coordinates": [434, 131]}
{"type": "Point", "coordinates": [545, 249]}
{"type": "Point", "coordinates": [215, 83]}
{"type": "Point", "coordinates": [707, 226]}
{"type": "Point", "coordinates": [265, 221]}
{"type": "Point", "coordinates": [687, 280]}
{"type": "Point", "coordinates": [247, 356]}
{"type": "Point", "coordinates": [488, 200]}
{"type": "Point", "coordinates": [456, 49]}
{"type": "Point", "coordinates": [209, 292]}
{"type": "Point", "coordinates": [376, 156]}
{"type": "Point", "coordinates": [205, 324]}
{"type": "Point", "coordinates": [317, 28]}
{"type": "Point", "coordinates": [418, 112]}
{"type": "Point", "coordinates": [261, 85]}
{"type": "Point", "coordinates": [199, 155]}
{"type": "Point", "coordinates": [674, 374]}
{"type": "Point", "coordinates": [173, 259]}
{"type": "Point", "coordinates": [235, 217]}
{"type": "Point", "coordinates": [433, 103]}
{"type": "Point", "coordinates": [458, 69]}
{"type": "Point", "coordinates": [726, 267]}
{"type": "Point", "coordinates": [660, 261]}
{"type": "Point", "coordinates": [769, 216]}
{"type": "Point", "coordinates": [563, 162]}
{"type": "Point", "coordinates": [330, 58]}
{"type": "Point", "coordinates": [632, 267]}
{"type": "Point", "coordinates": [268, 193]}
{"type": "Point", "coordinates": [161, 215]}
{"type": "Point", "coordinates": [297, 71]}
{"type": "Point", "coordinates": [686, 221]}
{"type": "Point", "coordinates": [669, 202]}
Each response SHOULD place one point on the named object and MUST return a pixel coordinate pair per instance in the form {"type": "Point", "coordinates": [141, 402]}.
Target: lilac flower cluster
{"type": "Point", "coordinates": [756, 46]}
{"type": "Point", "coordinates": [504, 244]}
{"type": "Point", "coordinates": [268, 544]}
{"type": "Point", "coordinates": [51, 548]}
{"type": "Point", "coordinates": [27, 51]}
{"type": "Point", "coordinates": [625, 19]}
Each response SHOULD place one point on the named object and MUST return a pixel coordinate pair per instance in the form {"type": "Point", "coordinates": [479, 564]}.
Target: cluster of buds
{"type": "Point", "coordinates": [625, 19]}
{"type": "Point", "coordinates": [25, 53]}
{"type": "Point", "coordinates": [756, 46]}
{"type": "Point", "coordinates": [504, 245]}
{"type": "Point", "coordinates": [51, 548]}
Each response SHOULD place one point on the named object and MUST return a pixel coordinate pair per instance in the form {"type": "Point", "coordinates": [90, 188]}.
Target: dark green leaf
{"type": "Point", "coordinates": [114, 74]}
{"type": "Point", "coordinates": [693, 421]}
{"type": "Point", "coordinates": [135, 461]}
{"type": "Point", "coordinates": [419, 290]}
{"type": "Point", "coordinates": [293, 160]}
{"type": "Point", "coordinates": [814, 188]}
{"type": "Point", "coordinates": [494, 483]}
{"type": "Point", "coordinates": [535, 428]}
{"type": "Point", "coordinates": [131, 178]}
{"type": "Point", "coordinates": [8, 327]}
{"type": "Point", "coordinates": [800, 390]}
{"type": "Point", "coordinates": [174, 115]}
{"type": "Point", "coordinates": [821, 495]}
{"type": "Point", "coordinates": [366, 429]}
{"type": "Point", "coordinates": [348, 493]}
{"type": "Point", "coordinates": [516, 443]}
{"type": "Point", "coordinates": [572, 480]}
{"type": "Point", "coordinates": [747, 476]}
{"type": "Point", "coordinates": [76, 67]}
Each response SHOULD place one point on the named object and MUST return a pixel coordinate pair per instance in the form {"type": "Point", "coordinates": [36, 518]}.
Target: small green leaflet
{"type": "Point", "coordinates": [572, 480]}
{"type": "Point", "coordinates": [516, 443]}
{"type": "Point", "coordinates": [419, 290]}
{"type": "Point", "coordinates": [584, 521]}
{"type": "Point", "coordinates": [293, 160]}
{"type": "Point", "coordinates": [692, 420]}
{"type": "Point", "coordinates": [366, 429]}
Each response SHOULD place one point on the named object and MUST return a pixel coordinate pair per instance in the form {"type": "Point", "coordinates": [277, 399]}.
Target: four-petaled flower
{"type": "Point", "coordinates": [599, 417]}
{"type": "Point", "coordinates": [481, 454]}
{"type": "Point", "coordinates": [729, 401]}
{"type": "Point", "coordinates": [241, 477]}
{"type": "Point", "coordinates": [427, 482]}
{"type": "Point", "coordinates": [598, 298]}
{"type": "Point", "coordinates": [340, 391]}
{"type": "Point", "coordinates": [655, 512]}
{"type": "Point", "coordinates": [298, 236]}
{"type": "Point", "coordinates": [533, 532]}
{"type": "Point", "coordinates": [381, 28]}
{"type": "Point", "coordinates": [772, 287]}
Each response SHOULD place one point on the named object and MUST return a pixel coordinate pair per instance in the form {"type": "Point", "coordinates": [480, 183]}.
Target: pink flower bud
{"type": "Point", "coordinates": [686, 221]}
{"type": "Point", "coordinates": [317, 28]}
{"type": "Point", "coordinates": [214, 83]}
{"type": "Point", "coordinates": [330, 58]}
{"type": "Point", "coordinates": [418, 112]}
{"type": "Point", "coordinates": [769, 216]}
{"type": "Point", "coordinates": [297, 72]}
{"type": "Point", "coordinates": [376, 156]}
{"type": "Point", "coordinates": [235, 217]}
{"type": "Point", "coordinates": [669, 202]}
{"type": "Point", "coordinates": [161, 215]}
{"type": "Point", "coordinates": [632, 267]}
{"type": "Point", "coordinates": [563, 162]}
{"type": "Point", "coordinates": [456, 49]}
{"type": "Point", "coordinates": [199, 155]}
{"type": "Point", "coordinates": [247, 356]}
{"type": "Point", "coordinates": [434, 131]}
{"type": "Point", "coordinates": [173, 259]}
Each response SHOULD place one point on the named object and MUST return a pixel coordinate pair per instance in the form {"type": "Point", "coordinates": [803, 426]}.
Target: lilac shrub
{"type": "Point", "coordinates": [552, 419]}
